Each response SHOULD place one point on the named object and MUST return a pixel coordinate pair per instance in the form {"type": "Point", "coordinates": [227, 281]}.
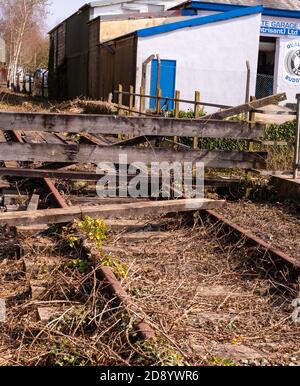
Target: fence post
{"type": "Point", "coordinates": [30, 84]}
{"type": "Point", "coordinates": [197, 115]}
{"type": "Point", "coordinates": [250, 144]}
{"type": "Point", "coordinates": [131, 100]}
{"type": "Point", "coordinates": [297, 149]}
{"type": "Point", "coordinates": [142, 100]}
{"type": "Point", "coordinates": [248, 80]}
{"type": "Point", "coordinates": [177, 109]}
{"type": "Point", "coordinates": [158, 99]}
{"type": "Point", "coordinates": [252, 120]}
{"type": "Point", "coordinates": [120, 98]}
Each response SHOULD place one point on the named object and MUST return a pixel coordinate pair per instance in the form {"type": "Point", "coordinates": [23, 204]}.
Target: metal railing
{"type": "Point", "coordinates": [264, 85]}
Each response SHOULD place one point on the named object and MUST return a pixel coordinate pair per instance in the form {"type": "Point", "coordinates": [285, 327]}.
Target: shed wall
{"type": "Point", "coordinates": [116, 28]}
{"type": "Point", "coordinates": [77, 46]}
{"type": "Point", "coordinates": [93, 76]}
{"type": "Point", "coordinates": [117, 66]}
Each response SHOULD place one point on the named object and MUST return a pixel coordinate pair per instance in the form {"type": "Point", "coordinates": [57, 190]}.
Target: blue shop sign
{"type": "Point", "coordinates": [272, 27]}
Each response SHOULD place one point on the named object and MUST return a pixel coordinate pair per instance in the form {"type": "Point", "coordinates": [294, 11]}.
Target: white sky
{"type": "Point", "coordinates": [60, 9]}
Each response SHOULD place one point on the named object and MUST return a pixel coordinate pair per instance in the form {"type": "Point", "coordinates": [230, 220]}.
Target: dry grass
{"type": "Point", "coordinates": [17, 102]}
{"type": "Point", "coordinates": [276, 223]}
{"type": "Point", "coordinates": [205, 295]}
{"type": "Point", "coordinates": [90, 329]}
{"type": "Point", "coordinates": [280, 158]}
{"type": "Point", "coordinates": [202, 296]}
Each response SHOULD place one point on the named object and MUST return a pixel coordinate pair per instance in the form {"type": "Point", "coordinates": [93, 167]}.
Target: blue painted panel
{"type": "Point", "coordinates": [189, 12]}
{"type": "Point", "coordinates": [196, 21]}
{"type": "Point", "coordinates": [167, 82]}
{"type": "Point", "coordinates": [221, 7]}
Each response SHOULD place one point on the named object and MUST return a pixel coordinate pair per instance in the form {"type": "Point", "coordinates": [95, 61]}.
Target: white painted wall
{"type": "Point", "coordinates": [280, 85]}
{"type": "Point", "coordinates": [210, 58]}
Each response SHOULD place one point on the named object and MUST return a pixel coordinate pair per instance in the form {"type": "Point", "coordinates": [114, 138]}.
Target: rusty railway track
{"type": "Point", "coordinates": [279, 258]}
{"type": "Point", "coordinates": [105, 274]}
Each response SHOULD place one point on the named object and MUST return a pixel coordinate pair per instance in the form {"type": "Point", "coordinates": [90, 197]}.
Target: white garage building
{"type": "Point", "coordinates": [208, 52]}
{"type": "Point", "coordinates": [205, 53]}
{"type": "Point", "coordinates": [279, 49]}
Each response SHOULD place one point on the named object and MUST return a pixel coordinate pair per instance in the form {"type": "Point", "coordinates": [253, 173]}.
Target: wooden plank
{"type": "Point", "coordinates": [2, 137]}
{"type": "Point", "coordinates": [33, 203]}
{"type": "Point", "coordinates": [85, 154]}
{"type": "Point", "coordinates": [64, 138]}
{"type": "Point", "coordinates": [4, 184]}
{"type": "Point", "coordinates": [55, 174]}
{"type": "Point", "coordinates": [18, 136]}
{"type": "Point", "coordinates": [136, 209]}
{"type": "Point", "coordinates": [55, 195]}
{"type": "Point", "coordinates": [32, 138]}
{"type": "Point", "coordinates": [49, 173]}
{"type": "Point", "coordinates": [135, 141]}
{"type": "Point", "coordinates": [247, 107]}
{"type": "Point", "coordinates": [123, 125]}
{"type": "Point", "coordinates": [8, 164]}
{"type": "Point", "coordinates": [51, 138]}
{"type": "Point", "coordinates": [94, 140]}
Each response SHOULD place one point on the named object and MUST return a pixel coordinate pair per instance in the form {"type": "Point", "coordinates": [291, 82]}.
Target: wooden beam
{"type": "Point", "coordinates": [96, 141]}
{"type": "Point", "coordinates": [33, 203]}
{"type": "Point", "coordinates": [56, 216]}
{"type": "Point", "coordinates": [247, 107]}
{"type": "Point", "coordinates": [55, 195]}
{"type": "Point", "coordinates": [85, 154]}
{"type": "Point", "coordinates": [49, 173]}
{"type": "Point", "coordinates": [55, 174]}
{"type": "Point", "coordinates": [2, 137]}
{"type": "Point", "coordinates": [91, 176]}
{"type": "Point", "coordinates": [135, 126]}
{"type": "Point", "coordinates": [135, 141]}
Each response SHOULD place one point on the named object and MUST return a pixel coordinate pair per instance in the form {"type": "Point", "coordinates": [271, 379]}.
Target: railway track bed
{"type": "Point", "coordinates": [276, 223]}
{"type": "Point", "coordinates": [121, 281]}
{"type": "Point", "coordinates": [206, 299]}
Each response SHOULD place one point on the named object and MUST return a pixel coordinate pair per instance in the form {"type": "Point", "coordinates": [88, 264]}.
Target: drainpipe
{"type": "Point", "coordinates": [144, 75]}
{"type": "Point", "coordinates": [158, 72]}
{"type": "Point", "coordinates": [144, 70]}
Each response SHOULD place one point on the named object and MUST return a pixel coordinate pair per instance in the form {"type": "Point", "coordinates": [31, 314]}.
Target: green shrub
{"type": "Point", "coordinates": [285, 132]}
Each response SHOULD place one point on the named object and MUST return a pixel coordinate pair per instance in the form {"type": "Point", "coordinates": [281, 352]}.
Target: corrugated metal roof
{"type": "Point", "coordinates": [277, 4]}
{"type": "Point", "coordinates": [196, 21]}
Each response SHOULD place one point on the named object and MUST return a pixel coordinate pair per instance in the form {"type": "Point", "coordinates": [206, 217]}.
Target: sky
{"type": "Point", "coordinates": [60, 9]}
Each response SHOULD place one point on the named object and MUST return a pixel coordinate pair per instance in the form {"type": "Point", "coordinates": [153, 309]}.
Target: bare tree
{"type": "Point", "coordinates": [19, 18]}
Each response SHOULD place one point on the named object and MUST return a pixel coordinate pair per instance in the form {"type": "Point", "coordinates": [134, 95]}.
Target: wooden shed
{"type": "Point", "coordinates": [74, 64]}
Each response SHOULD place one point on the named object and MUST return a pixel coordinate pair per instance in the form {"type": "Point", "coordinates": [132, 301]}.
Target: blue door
{"type": "Point", "coordinates": [167, 82]}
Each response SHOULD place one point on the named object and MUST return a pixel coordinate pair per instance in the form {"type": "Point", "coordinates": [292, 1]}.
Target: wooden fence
{"type": "Point", "coordinates": [226, 111]}
{"type": "Point", "coordinates": [142, 129]}
{"type": "Point", "coordinates": [251, 108]}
